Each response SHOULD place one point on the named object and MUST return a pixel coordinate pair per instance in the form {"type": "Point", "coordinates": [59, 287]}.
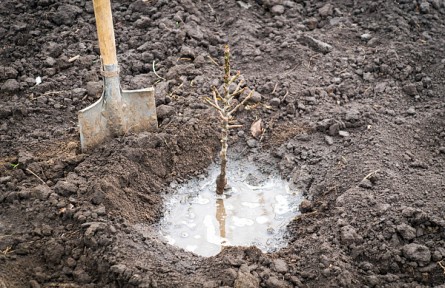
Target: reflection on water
{"type": "Point", "coordinates": [198, 220]}
{"type": "Point", "coordinates": [221, 217]}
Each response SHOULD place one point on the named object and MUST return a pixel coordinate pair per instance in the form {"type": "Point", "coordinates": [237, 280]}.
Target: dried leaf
{"type": "Point", "coordinates": [257, 128]}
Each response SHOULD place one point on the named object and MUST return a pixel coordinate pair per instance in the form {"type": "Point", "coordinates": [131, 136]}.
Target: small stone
{"type": "Point", "coordinates": [315, 44]}
{"type": "Point", "coordinates": [380, 87]}
{"type": "Point", "coordinates": [417, 252]}
{"type": "Point", "coordinates": [78, 92]}
{"type": "Point", "coordinates": [343, 133]}
{"type": "Point", "coordinates": [410, 89]}
{"type": "Point", "coordinates": [326, 10]}
{"type": "Point", "coordinates": [46, 230]}
{"type": "Point", "coordinates": [406, 231]}
{"type": "Point", "coordinates": [399, 120]}
{"type": "Point", "coordinates": [311, 23]}
{"type": "Point", "coordinates": [411, 111]}
{"type": "Point", "coordinates": [50, 61]}
{"type": "Point", "coordinates": [256, 97]}
{"type": "Point", "coordinates": [165, 111]}
{"type": "Point", "coordinates": [277, 9]}
{"type": "Point", "coordinates": [425, 7]}
{"type": "Point", "coordinates": [65, 188]}
{"type": "Point", "coordinates": [329, 140]}
{"type": "Point", "coordinates": [365, 183]}
{"type": "Point", "coordinates": [280, 266]}
{"type": "Point", "coordinates": [305, 206]}
{"type": "Point", "coordinates": [275, 102]}
{"type": "Point", "coordinates": [252, 143]}
{"type": "Point", "coordinates": [10, 85]}
{"type": "Point", "coordinates": [349, 235]}
{"type": "Point", "coordinates": [366, 36]}
{"type": "Point", "coordinates": [442, 149]}
{"type": "Point", "coordinates": [334, 129]}
{"type": "Point", "coordinates": [368, 76]}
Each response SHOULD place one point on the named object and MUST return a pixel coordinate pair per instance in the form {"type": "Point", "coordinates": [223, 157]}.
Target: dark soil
{"type": "Point", "coordinates": [352, 97]}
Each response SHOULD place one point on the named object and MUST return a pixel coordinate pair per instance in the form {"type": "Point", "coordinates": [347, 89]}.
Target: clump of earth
{"type": "Point", "coordinates": [351, 95]}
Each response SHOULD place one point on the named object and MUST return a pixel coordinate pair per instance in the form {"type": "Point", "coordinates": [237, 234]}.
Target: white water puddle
{"type": "Point", "coordinates": [255, 211]}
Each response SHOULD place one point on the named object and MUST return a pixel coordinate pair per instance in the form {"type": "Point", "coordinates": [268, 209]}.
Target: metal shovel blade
{"type": "Point", "coordinates": [138, 114]}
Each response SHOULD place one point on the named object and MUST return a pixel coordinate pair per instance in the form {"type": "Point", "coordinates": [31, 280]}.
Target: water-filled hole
{"type": "Point", "coordinates": [254, 211]}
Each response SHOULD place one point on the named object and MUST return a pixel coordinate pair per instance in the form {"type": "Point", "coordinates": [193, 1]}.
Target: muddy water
{"type": "Point", "coordinates": [254, 211]}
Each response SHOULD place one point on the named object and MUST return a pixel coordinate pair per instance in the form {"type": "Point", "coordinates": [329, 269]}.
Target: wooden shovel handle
{"type": "Point", "coordinates": [105, 31]}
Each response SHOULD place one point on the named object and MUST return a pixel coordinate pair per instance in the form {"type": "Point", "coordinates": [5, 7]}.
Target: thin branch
{"type": "Point", "coordinates": [235, 126]}
{"type": "Point", "coordinates": [213, 105]}
{"type": "Point", "coordinates": [275, 88]}
{"type": "Point", "coordinates": [370, 174]}
{"type": "Point", "coordinates": [242, 102]}
{"type": "Point", "coordinates": [154, 71]}
{"type": "Point", "coordinates": [41, 180]}
{"type": "Point", "coordinates": [213, 60]}
{"type": "Point", "coordinates": [234, 78]}
{"type": "Point", "coordinates": [237, 90]}
{"type": "Point", "coordinates": [216, 95]}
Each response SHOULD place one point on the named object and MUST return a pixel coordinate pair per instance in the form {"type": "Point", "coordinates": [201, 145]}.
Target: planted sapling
{"type": "Point", "coordinates": [226, 106]}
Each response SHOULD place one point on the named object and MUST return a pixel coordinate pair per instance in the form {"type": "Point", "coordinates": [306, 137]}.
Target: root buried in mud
{"type": "Point", "coordinates": [254, 212]}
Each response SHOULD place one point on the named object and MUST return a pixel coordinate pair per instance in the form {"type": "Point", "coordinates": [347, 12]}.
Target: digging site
{"type": "Point", "coordinates": [343, 132]}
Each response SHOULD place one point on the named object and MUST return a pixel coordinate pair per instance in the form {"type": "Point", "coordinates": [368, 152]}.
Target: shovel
{"type": "Point", "coordinates": [117, 112]}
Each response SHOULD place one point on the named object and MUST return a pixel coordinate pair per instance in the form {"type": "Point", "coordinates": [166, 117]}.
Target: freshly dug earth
{"type": "Point", "coordinates": [352, 97]}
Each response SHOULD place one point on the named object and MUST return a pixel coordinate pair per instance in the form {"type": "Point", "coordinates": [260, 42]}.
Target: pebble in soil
{"type": "Point", "coordinates": [253, 212]}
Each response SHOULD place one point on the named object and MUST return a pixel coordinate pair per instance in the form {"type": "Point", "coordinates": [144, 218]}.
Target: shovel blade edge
{"type": "Point", "coordinates": [138, 114]}
{"type": "Point", "coordinates": [93, 127]}
{"type": "Point", "coordinates": [139, 110]}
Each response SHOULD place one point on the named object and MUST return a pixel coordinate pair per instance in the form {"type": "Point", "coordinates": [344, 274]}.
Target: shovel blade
{"type": "Point", "coordinates": [138, 114]}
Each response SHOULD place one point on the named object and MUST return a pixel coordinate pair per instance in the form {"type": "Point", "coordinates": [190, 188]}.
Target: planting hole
{"type": "Point", "coordinates": [253, 212]}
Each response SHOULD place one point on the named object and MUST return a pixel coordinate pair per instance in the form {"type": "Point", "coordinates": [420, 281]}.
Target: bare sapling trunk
{"type": "Point", "coordinates": [226, 107]}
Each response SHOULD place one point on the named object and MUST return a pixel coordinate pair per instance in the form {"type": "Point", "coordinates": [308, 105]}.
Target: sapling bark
{"type": "Point", "coordinates": [226, 107]}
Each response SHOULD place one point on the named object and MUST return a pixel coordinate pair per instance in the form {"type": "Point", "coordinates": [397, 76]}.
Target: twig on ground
{"type": "Point", "coordinates": [275, 88]}
{"type": "Point", "coordinates": [370, 174]}
{"type": "Point", "coordinates": [154, 71]}
{"type": "Point", "coordinates": [441, 266]}
{"type": "Point", "coordinates": [41, 180]}
{"type": "Point", "coordinates": [72, 59]}
{"type": "Point", "coordinates": [285, 95]}
{"type": "Point", "coordinates": [213, 60]}
{"type": "Point", "coordinates": [7, 250]}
